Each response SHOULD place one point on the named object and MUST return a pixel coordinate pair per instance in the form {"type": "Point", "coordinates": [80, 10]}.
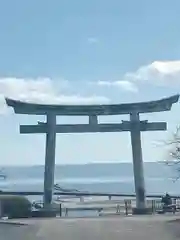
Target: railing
{"type": "Point", "coordinates": [120, 206]}
{"type": "Point", "coordinates": [83, 194]}
{"type": "Point", "coordinates": [123, 208]}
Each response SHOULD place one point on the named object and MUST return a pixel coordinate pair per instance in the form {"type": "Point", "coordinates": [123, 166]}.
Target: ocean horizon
{"type": "Point", "coordinates": [93, 177]}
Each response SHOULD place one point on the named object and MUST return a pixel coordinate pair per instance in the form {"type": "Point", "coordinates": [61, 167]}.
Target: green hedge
{"type": "Point", "coordinates": [15, 206]}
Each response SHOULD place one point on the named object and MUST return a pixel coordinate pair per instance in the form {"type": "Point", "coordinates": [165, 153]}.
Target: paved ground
{"type": "Point", "coordinates": [114, 228]}
{"type": "Point", "coordinates": [15, 232]}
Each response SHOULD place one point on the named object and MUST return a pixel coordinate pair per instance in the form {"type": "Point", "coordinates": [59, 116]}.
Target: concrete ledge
{"type": "Point", "coordinates": [43, 213]}
{"type": "Point", "coordinates": [141, 211]}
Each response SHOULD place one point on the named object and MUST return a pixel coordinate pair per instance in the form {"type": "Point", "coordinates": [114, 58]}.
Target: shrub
{"type": "Point", "coordinates": [15, 206]}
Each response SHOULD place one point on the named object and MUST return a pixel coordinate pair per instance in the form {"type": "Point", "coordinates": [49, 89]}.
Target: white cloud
{"type": "Point", "coordinates": [123, 85]}
{"type": "Point", "coordinates": [93, 40]}
{"type": "Point", "coordinates": [42, 90]}
{"type": "Point", "coordinates": [158, 72]}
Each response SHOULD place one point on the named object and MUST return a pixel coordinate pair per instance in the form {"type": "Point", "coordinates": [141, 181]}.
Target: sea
{"type": "Point", "coordinates": [94, 177]}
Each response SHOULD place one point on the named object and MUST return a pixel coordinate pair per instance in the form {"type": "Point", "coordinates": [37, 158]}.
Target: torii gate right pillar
{"type": "Point", "coordinates": [137, 163]}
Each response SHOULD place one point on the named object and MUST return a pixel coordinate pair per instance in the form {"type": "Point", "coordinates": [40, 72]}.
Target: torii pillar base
{"type": "Point", "coordinates": [141, 211]}
{"type": "Point", "coordinates": [43, 213]}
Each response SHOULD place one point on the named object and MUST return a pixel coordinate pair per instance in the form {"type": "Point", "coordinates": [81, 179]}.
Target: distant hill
{"type": "Point", "coordinates": [152, 169]}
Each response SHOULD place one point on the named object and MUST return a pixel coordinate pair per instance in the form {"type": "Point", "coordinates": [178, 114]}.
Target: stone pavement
{"type": "Point", "coordinates": [109, 228]}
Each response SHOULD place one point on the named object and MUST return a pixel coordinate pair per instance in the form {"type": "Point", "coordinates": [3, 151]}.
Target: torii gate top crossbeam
{"type": "Point", "coordinates": [161, 105]}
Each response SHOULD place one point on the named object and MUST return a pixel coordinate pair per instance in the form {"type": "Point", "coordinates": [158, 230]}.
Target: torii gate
{"type": "Point", "coordinates": [134, 126]}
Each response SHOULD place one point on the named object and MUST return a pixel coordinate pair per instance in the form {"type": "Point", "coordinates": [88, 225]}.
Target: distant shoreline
{"type": "Point", "coordinates": [79, 164]}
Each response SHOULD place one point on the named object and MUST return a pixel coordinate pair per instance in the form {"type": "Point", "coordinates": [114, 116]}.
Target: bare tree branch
{"type": "Point", "coordinates": [173, 156]}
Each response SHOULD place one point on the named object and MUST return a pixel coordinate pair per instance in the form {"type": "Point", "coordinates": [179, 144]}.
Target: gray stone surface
{"type": "Point", "coordinates": [125, 228]}
{"type": "Point", "coordinates": [18, 232]}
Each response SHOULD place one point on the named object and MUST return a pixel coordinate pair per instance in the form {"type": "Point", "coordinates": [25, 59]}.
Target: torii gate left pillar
{"type": "Point", "coordinates": [49, 160]}
{"type": "Point", "coordinates": [138, 171]}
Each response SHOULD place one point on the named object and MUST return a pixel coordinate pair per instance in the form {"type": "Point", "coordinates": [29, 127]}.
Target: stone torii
{"type": "Point", "coordinates": [135, 126]}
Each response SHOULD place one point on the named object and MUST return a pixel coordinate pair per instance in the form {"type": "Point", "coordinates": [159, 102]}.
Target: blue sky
{"type": "Point", "coordinates": [96, 51]}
